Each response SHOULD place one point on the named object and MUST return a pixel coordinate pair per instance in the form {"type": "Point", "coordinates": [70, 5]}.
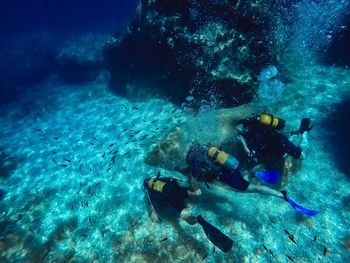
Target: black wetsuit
{"type": "Point", "coordinates": [268, 145]}
{"type": "Point", "coordinates": [172, 195]}
{"type": "Point", "coordinates": [202, 166]}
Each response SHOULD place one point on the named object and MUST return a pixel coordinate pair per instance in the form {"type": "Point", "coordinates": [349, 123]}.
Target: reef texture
{"type": "Point", "coordinates": [207, 49]}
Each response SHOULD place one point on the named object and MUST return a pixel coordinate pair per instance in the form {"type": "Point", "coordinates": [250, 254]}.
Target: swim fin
{"type": "Point", "coordinates": [219, 239]}
{"type": "Point", "coordinates": [271, 177]}
{"type": "Point", "coordinates": [297, 207]}
{"type": "Point", "coordinates": [305, 125]}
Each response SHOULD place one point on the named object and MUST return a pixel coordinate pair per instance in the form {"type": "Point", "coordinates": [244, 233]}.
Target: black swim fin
{"type": "Point", "coordinates": [219, 239]}
{"type": "Point", "coordinates": [305, 125]}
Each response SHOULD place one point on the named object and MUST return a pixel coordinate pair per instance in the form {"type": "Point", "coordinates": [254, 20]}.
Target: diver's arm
{"type": "Point", "coordinates": [194, 185]}
{"type": "Point", "coordinates": [245, 146]}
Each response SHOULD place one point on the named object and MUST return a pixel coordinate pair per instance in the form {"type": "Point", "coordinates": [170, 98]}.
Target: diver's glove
{"type": "Point", "coordinates": [305, 126]}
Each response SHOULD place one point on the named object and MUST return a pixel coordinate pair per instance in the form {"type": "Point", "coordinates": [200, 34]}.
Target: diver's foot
{"type": "Point", "coordinates": [185, 215]}
{"type": "Point", "coordinates": [196, 192]}
{"type": "Point", "coordinates": [305, 125]}
{"type": "Point", "coordinates": [284, 193]}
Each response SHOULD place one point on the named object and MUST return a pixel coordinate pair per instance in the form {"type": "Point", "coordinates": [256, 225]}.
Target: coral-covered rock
{"type": "Point", "coordinates": [192, 47]}
{"type": "Point", "coordinates": [80, 58]}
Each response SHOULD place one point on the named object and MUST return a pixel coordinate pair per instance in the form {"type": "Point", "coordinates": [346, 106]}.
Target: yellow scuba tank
{"type": "Point", "coordinates": [222, 158]}
{"type": "Point", "coordinates": [156, 185]}
{"type": "Point", "coordinates": [271, 121]}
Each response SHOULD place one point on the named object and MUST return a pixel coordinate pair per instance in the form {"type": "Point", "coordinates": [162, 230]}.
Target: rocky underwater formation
{"type": "Point", "coordinates": [200, 50]}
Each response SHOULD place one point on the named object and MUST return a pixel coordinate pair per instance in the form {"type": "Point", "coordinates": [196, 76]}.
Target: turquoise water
{"type": "Point", "coordinates": [84, 211]}
{"type": "Point", "coordinates": [73, 157]}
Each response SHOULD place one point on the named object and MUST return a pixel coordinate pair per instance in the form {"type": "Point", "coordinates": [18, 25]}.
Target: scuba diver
{"type": "Point", "coordinates": [264, 142]}
{"type": "Point", "coordinates": [207, 163]}
{"type": "Point", "coordinates": [166, 192]}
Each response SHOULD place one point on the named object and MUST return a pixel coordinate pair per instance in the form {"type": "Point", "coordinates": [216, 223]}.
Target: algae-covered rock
{"type": "Point", "coordinates": [204, 48]}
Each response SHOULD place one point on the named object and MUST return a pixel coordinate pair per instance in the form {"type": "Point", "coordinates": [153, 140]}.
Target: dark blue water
{"type": "Point", "coordinates": [62, 16]}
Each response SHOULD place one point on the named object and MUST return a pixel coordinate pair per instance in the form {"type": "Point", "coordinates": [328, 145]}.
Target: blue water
{"type": "Point", "coordinates": [73, 154]}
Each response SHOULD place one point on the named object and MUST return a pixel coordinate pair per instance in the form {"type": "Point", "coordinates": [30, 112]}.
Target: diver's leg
{"type": "Point", "coordinates": [304, 145]}
{"type": "Point", "coordinates": [262, 189]}
{"type": "Point", "coordinates": [302, 141]}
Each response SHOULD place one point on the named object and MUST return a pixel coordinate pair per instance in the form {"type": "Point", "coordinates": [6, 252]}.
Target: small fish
{"type": "Point", "coordinates": [111, 144]}
{"type": "Point", "coordinates": [54, 152]}
{"type": "Point", "coordinates": [56, 138]}
{"type": "Point", "coordinates": [289, 234]}
{"type": "Point", "coordinates": [293, 240]}
{"type": "Point", "coordinates": [125, 129]}
{"type": "Point", "coordinates": [108, 169]}
{"type": "Point", "coordinates": [265, 248]}
{"type": "Point", "coordinates": [103, 155]}
{"type": "Point", "coordinates": [96, 185]}
{"type": "Point", "coordinates": [84, 235]}
{"type": "Point", "coordinates": [135, 108]}
{"type": "Point", "coordinates": [90, 221]}
{"type": "Point", "coordinates": [271, 252]}
{"type": "Point", "coordinates": [124, 106]}
{"type": "Point", "coordinates": [92, 143]}
{"type": "Point", "coordinates": [290, 258]}
{"type": "Point", "coordinates": [113, 159]}
{"type": "Point", "coordinates": [38, 130]}
{"type": "Point", "coordinates": [124, 169]}
{"type": "Point", "coordinates": [63, 165]}
{"type": "Point", "coordinates": [67, 119]}
{"type": "Point", "coordinates": [325, 250]}
{"type": "Point", "coordinates": [174, 111]}
{"type": "Point", "coordinates": [72, 207]}
{"type": "Point", "coordinates": [67, 159]}
{"type": "Point", "coordinates": [115, 152]}
{"type": "Point", "coordinates": [315, 238]}
{"type": "Point", "coordinates": [164, 239]}
{"type": "Point", "coordinates": [93, 138]}
{"type": "Point", "coordinates": [110, 151]}
{"type": "Point", "coordinates": [54, 160]}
